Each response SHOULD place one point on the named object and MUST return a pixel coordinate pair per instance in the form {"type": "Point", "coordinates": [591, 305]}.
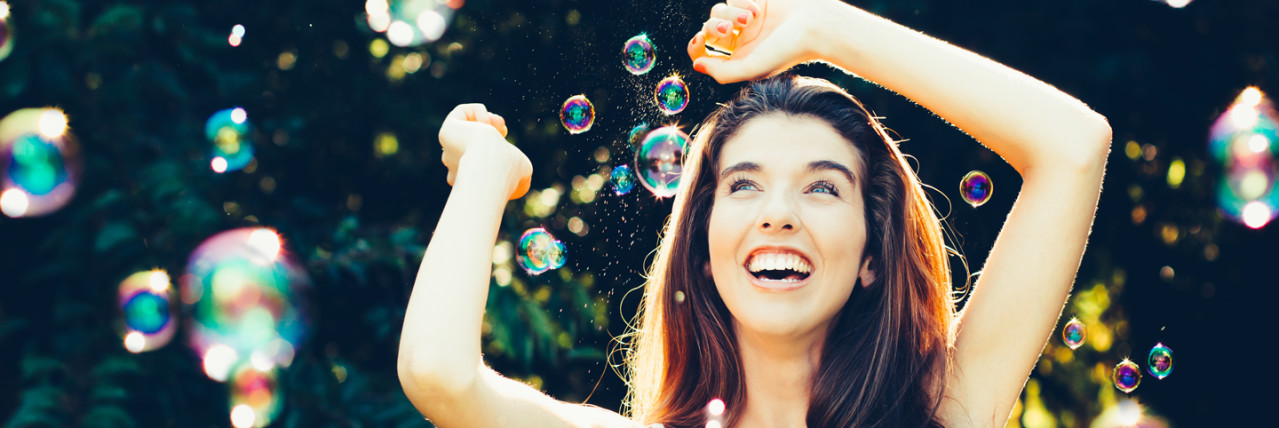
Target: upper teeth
{"type": "Point", "coordinates": [778, 261]}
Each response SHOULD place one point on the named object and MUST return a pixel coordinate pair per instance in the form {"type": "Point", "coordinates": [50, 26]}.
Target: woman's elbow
{"type": "Point", "coordinates": [425, 380]}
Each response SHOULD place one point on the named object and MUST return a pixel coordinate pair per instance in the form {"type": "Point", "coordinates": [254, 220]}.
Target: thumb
{"type": "Point", "coordinates": [732, 69]}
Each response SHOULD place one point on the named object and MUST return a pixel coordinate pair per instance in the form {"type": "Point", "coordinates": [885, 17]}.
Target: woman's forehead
{"type": "Point", "coordinates": [787, 141]}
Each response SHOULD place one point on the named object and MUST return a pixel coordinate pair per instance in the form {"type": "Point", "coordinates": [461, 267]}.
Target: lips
{"type": "Point", "coordinates": [778, 266]}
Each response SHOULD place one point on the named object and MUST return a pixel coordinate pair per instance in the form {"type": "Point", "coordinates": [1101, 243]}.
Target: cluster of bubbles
{"type": "Point", "coordinates": [229, 131]}
{"type": "Point", "coordinates": [671, 95]}
{"type": "Point", "coordinates": [6, 31]}
{"type": "Point", "coordinates": [237, 35]}
{"type": "Point", "coordinates": [39, 162]}
{"type": "Point", "coordinates": [623, 180]}
{"type": "Point", "coordinates": [1126, 376]}
{"type": "Point", "coordinates": [976, 188]}
{"type": "Point", "coordinates": [1160, 361]}
{"type": "Point", "coordinates": [146, 304]}
{"type": "Point", "coordinates": [638, 55]}
{"type": "Point", "coordinates": [1243, 143]}
{"type": "Point", "coordinates": [577, 114]}
{"type": "Point", "coordinates": [410, 22]}
{"type": "Point", "coordinates": [540, 252]}
{"type": "Point", "coordinates": [659, 160]}
{"type": "Point", "coordinates": [1074, 334]}
{"type": "Point", "coordinates": [246, 317]}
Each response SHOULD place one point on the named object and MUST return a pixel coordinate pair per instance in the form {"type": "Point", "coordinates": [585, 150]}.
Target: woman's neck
{"type": "Point", "coordinates": [779, 374]}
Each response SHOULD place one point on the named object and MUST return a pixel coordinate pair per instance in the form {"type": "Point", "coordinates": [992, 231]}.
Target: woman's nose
{"type": "Point", "coordinates": [778, 216]}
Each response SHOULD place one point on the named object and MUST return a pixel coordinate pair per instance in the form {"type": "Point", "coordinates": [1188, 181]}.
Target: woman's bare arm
{"type": "Point", "coordinates": [1057, 143]}
{"type": "Point", "coordinates": [440, 366]}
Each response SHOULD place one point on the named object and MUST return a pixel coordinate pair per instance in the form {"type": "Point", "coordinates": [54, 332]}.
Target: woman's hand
{"type": "Point", "coordinates": [471, 132]}
{"type": "Point", "coordinates": [771, 37]}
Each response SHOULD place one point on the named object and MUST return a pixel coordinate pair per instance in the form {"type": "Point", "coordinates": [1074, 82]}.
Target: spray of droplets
{"type": "Point", "coordinates": [245, 296]}
{"type": "Point", "coordinates": [659, 161]}
{"type": "Point", "coordinates": [540, 252]}
{"type": "Point", "coordinates": [1126, 376]}
{"type": "Point", "coordinates": [410, 22]}
{"type": "Point", "coordinates": [1160, 361]}
{"type": "Point", "coordinates": [623, 180]}
{"type": "Point", "coordinates": [229, 131]}
{"type": "Point", "coordinates": [1073, 333]}
{"type": "Point", "coordinates": [39, 162]}
{"type": "Point", "coordinates": [146, 307]}
{"type": "Point", "coordinates": [976, 188]}
{"type": "Point", "coordinates": [1243, 143]}
{"type": "Point", "coordinates": [638, 55]}
{"type": "Point", "coordinates": [671, 95]}
{"type": "Point", "coordinates": [577, 114]}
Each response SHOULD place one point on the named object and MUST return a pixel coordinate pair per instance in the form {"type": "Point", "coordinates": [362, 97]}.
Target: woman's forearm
{"type": "Point", "coordinates": [1024, 120]}
{"type": "Point", "coordinates": [441, 335]}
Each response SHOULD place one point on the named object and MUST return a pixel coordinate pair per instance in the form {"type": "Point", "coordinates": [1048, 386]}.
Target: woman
{"type": "Point", "coordinates": [803, 278]}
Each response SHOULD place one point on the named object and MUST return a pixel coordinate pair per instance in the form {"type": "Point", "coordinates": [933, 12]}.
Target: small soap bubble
{"type": "Point", "coordinates": [976, 188]}
{"type": "Point", "coordinates": [577, 114]}
{"type": "Point", "coordinates": [146, 304]}
{"type": "Point", "coordinates": [540, 252]}
{"type": "Point", "coordinates": [1074, 334]}
{"type": "Point", "coordinates": [39, 162]}
{"type": "Point", "coordinates": [671, 95]}
{"type": "Point", "coordinates": [638, 55]}
{"type": "Point", "coordinates": [660, 159]}
{"type": "Point", "coordinates": [1160, 361]}
{"type": "Point", "coordinates": [258, 392]}
{"type": "Point", "coordinates": [636, 136]}
{"type": "Point", "coordinates": [1126, 376]}
{"type": "Point", "coordinates": [1244, 142]}
{"type": "Point", "coordinates": [6, 31]}
{"type": "Point", "coordinates": [229, 131]}
{"type": "Point", "coordinates": [623, 180]}
{"type": "Point", "coordinates": [245, 296]}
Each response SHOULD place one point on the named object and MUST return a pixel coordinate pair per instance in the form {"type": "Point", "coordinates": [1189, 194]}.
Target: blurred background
{"type": "Point", "coordinates": [214, 211]}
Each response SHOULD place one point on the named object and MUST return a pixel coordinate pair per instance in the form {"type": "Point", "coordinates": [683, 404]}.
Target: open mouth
{"type": "Point", "coordinates": [784, 267]}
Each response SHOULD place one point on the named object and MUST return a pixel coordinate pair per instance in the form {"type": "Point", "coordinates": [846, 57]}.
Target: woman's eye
{"type": "Point", "coordinates": [824, 187]}
{"type": "Point", "coordinates": [742, 185]}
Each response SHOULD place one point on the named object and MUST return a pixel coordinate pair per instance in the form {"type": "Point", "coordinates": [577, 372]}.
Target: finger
{"type": "Point", "coordinates": [750, 5]}
{"type": "Point", "coordinates": [732, 69]}
{"type": "Point", "coordinates": [498, 122]}
{"type": "Point", "coordinates": [452, 177]}
{"type": "Point", "coordinates": [715, 27]}
{"type": "Point", "coordinates": [736, 15]}
{"type": "Point", "coordinates": [467, 112]}
{"type": "Point", "coordinates": [697, 46]}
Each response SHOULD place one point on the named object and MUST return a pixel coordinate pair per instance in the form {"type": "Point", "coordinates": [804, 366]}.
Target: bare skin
{"type": "Point", "coordinates": [1054, 141]}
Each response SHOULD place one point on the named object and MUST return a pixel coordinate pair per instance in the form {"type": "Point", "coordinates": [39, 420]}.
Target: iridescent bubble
{"type": "Point", "coordinates": [636, 136]}
{"type": "Point", "coordinates": [671, 95]}
{"type": "Point", "coordinates": [39, 162]}
{"type": "Point", "coordinates": [577, 114]}
{"type": "Point", "coordinates": [255, 398]}
{"type": "Point", "coordinates": [540, 252]}
{"type": "Point", "coordinates": [623, 180]}
{"type": "Point", "coordinates": [246, 302]}
{"type": "Point", "coordinates": [1160, 361]}
{"type": "Point", "coordinates": [638, 55]}
{"type": "Point", "coordinates": [146, 303]}
{"type": "Point", "coordinates": [410, 22]}
{"type": "Point", "coordinates": [229, 131]}
{"type": "Point", "coordinates": [6, 31]}
{"type": "Point", "coordinates": [976, 188]}
{"type": "Point", "coordinates": [1126, 376]}
{"type": "Point", "coordinates": [660, 160]}
{"type": "Point", "coordinates": [1074, 334]}
{"type": "Point", "coordinates": [1243, 142]}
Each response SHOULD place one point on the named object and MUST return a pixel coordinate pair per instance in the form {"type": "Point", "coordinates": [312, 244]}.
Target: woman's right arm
{"type": "Point", "coordinates": [440, 366]}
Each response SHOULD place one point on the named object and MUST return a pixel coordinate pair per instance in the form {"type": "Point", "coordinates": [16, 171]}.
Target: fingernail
{"type": "Point", "coordinates": [723, 27]}
{"type": "Point", "coordinates": [743, 17]}
{"type": "Point", "coordinates": [700, 67]}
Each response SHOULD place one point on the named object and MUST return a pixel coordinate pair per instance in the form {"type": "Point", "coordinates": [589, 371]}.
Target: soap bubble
{"type": "Point", "coordinates": [976, 188]}
{"type": "Point", "coordinates": [410, 22]}
{"type": "Point", "coordinates": [623, 180]}
{"type": "Point", "coordinates": [255, 397]}
{"type": "Point", "coordinates": [659, 160]}
{"type": "Point", "coordinates": [1243, 142]}
{"type": "Point", "coordinates": [1074, 334]}
{"type": "Point", "coordinates": [146, 303]}
{"type": "Point", "coordinates": [577, 114]}
{"type": "Point", "coordinates": [6, 31]}
{"type": "Point", "coordinates": [1127, 376]}
{"type": "Point", "coordinates": [638, 55]}
{"type": "Point", "coordinates": [671, 95]}
{"type": "Point", "coordinates": [229, 131]}
{"type": "Point", "coordinates": [39, 162]}
{"type": "Point", "coordinates": [1160, 361]}
{"type": "Point", "coordinates": [246, 301]}
{"type": "Point", "coordinates": [540, 252]}
{"type": "Point", "coordinates": [636, 136]}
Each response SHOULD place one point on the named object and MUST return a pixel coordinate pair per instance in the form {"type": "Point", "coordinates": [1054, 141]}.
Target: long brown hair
{"type": "Point", "coordinates": [886, 356]}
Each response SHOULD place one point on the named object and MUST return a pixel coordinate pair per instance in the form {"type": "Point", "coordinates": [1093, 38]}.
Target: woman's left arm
{"type": "Point", "coordinates": [1053, 140]}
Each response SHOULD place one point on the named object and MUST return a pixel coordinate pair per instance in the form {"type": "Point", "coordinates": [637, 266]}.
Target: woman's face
{"type": "Point", "coordinates": [787, 228]}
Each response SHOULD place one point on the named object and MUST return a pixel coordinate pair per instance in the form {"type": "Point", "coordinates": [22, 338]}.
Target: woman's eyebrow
{"type": "Point", "coordinates": [740, 166]}
{"type": "Point", "coordinates": [822, 165]}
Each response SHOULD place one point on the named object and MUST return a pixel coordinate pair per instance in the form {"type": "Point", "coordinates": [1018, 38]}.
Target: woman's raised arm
{"type": "Point", "coordinates": [440, 366]}
{"type": "Point", "coordinates": [1057, 143]}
